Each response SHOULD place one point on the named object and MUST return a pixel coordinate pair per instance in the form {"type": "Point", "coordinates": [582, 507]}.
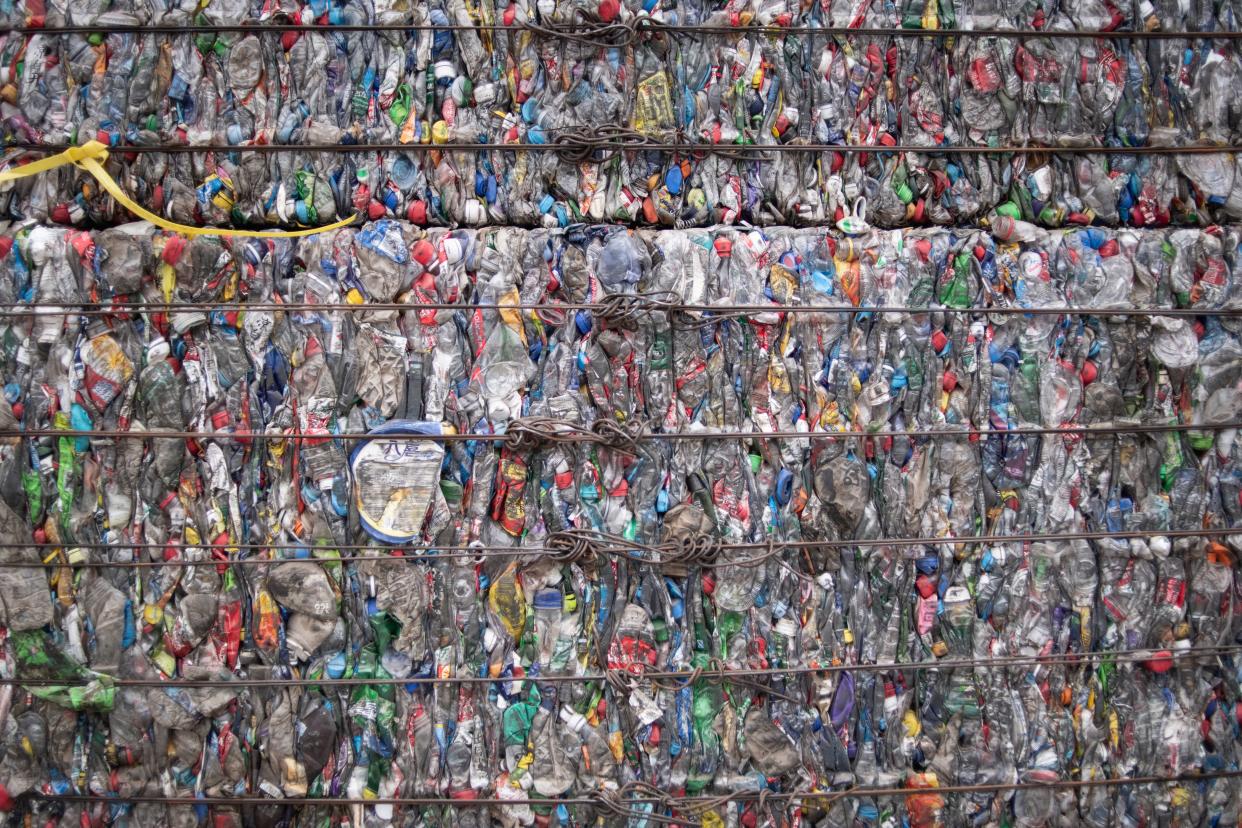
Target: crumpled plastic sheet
{"type": "Point", "coordinates": [724, 88]}
{"type": "Point", "coordinates": [303, 613]}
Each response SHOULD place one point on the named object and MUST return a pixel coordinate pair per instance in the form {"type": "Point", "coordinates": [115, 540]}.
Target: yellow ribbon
{"type": "Point", "coordinates": [90, 157]}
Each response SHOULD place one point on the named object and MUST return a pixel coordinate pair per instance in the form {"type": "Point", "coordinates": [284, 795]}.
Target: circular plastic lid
{"type": "Point", "coordinates": [394, 480]}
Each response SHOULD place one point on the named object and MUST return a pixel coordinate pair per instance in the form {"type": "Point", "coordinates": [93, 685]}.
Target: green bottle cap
{"type": "Point", "coordinates": [1009, 209]}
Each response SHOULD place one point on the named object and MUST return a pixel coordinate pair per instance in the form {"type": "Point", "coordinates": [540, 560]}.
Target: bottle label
{"type": "Point", "coordinates": [1174, 592]}
{"type": "Point", "coordinates": [925, 615]}
{"type": "Point", "coordinates": [654, 108]}
{"type": "Point", "coordinates": [268, 787]}
{"type": "Point", "coordinates": [395, 479]}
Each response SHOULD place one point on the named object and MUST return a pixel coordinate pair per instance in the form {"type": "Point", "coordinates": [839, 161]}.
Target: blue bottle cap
{"type": "Point", "coordinates": [673, 179]}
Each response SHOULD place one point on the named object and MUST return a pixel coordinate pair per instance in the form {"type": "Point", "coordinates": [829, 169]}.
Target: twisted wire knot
{"type": "Point", "coordinates": [698, 550]}
{"type": "Point", "coordinates": [526, 433]}
{"type": "Point", "coordinates": [660, 800]}
{"type": "Point", "coordinates": [572, 546]}
{"type": "Point", "coordinates": [626, 307]}
{"type": "Point", "coordinates": [581, 144]}
{"type": "Point", "coordinates": [600, 35]}
{"type": "Point", "coordinates": [614, 435]}
{"type": "Point", "coordinates": [622, 680]}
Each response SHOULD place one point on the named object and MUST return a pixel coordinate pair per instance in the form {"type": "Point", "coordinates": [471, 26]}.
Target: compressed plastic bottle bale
{"type": "Point", "coordinates": [728, 87]}
{"type": "Point", "coordinates": [511, 614]}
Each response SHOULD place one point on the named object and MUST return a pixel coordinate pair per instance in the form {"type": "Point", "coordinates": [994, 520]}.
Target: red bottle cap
{"type": "Point", "coordinates": [1161, 662]}
{"type": "Point", "coordinates": [423, 252]}
{"type": "Point", "coordinates": [1088, 373]}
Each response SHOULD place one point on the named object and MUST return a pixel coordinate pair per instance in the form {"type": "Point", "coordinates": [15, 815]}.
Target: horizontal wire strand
{"type": "Point", "coordinates": [640, 26]}
{"type": "Point", "coordinates": [667, 801]}
{"type": "Point", "coordinates": [580, 436]}
{"type": "Point", "coordinates": [453, 552]}
{"type": "Point", "coordinates": [102, 308]}
{"type": "Point", "coordinates": [689, 148]}
{"type": "Point", "coordinates": [1128, 656]}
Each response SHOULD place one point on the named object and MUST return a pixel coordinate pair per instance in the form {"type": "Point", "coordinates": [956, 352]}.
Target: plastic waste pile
{"type": "Point", "coordinates": [598, 525]}
{"type": "Point", "coordinates": [511, 76]}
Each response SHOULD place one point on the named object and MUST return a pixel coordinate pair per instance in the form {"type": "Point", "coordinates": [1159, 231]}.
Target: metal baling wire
{"type": "Point", "coordinates": [579, 143]}
{"type": "Point", "coordinates": [613, 33]}
{"type": "Point", "coordinates": [821, 800]}
{"type": "Point", "coordinates": [621, 679]}
{"type": "Point", "coordinates": [527, 433]}
{"type": "Point", "coordinates": [645, 795]}
{"type": "Point", "coordinates": [626, 305]}
{"type": "Point", "coordinates": [603, 545]}
{"type": "Point", "coordinates": [548, 430]}
{"type": "Point", "coordinates": [622, 144]}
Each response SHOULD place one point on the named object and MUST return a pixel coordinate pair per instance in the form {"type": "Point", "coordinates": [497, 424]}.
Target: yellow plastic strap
{"type": "Point", "coordinates": [90, 157]}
